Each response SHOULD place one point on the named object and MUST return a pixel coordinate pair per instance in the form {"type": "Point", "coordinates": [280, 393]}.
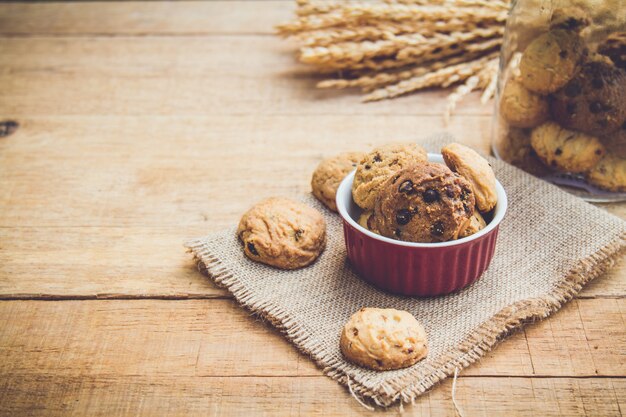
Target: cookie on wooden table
{"type": "Point", "coordinates": [383, 339]}
{"type": "Point", "coordinates": [283, 233]}
{"type": "Point", "coordinates": [476, 170]}
{"type": "Point", "coordinates": [565, 149]}
{"type": "Point", "coordinates": [329, 174]}
{"type": "Point", "coordinates": [378, 165]}
{"type": "Point", "coordinates": [425, 203]}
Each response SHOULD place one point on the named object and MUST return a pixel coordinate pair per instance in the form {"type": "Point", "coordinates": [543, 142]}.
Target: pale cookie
{"type": "Point", "coordinates": [609, 173]}
{"type": "Point", "coordinates": [329, 174]}
{"type": "Point", "coordinates": [282, 233]}
{"type": "Point", "coordinates": [476, 170]}
{"type": "Point", "coordinates": [383, 339]}
{"type": "Point", "coordinates": [366, 220]}
{"type": "Point", "coordinates": [477, 223]}
{"type": "Point", "coordinates": [564, 149]}
{"type": "Point", "coordinates": [551, 60]}
{"type": "Point", "coordinates": [521, 107]}
{"type": "Point", "coordinates": [380, 164]}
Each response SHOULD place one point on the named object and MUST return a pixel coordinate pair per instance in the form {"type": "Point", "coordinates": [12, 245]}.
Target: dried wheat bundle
{"type": "Point", "coordinates": [389, 48]}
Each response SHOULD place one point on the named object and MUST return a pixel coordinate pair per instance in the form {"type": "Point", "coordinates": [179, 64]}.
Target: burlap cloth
{"type": "Point", "coordinates": [549, 245]}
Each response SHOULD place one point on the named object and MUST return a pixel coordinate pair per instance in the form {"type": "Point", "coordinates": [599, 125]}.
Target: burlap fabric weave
{"type": "Point", "coordinates": [549, 245]}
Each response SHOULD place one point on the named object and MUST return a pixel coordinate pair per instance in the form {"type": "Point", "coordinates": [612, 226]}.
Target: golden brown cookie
{"type": "Point", "coordinates": [476, 170]}
{"type": "Point", "coordinates": [380, 164]}
{"type": "Point", "coordinates": [594, 101]}
{"type": "Point", "coordinates": [282, 233]}
{"type": "Point", "coordinates": [609, 174]}
{"type": "Point", "coordinates": [614, 47]}
{"type": "Point", "coordinates": [570, 18]}
{"type": "Point", "coordinates": [521, 107]}
{"type": "Point", "coordinates": [329, 174]}
{"type": "Point", "coordinates": [615, 143]}
{"type": "Point", "coordinates": [476, 224]}
{"type": "Point", "coordinates": [424, 203]}
{"type": "Point", "coordinates": [366, 220]}
{"type": "Point", "coordinates": [383, 339]}
{"type": "Point", "coordinates": [551, 60]}
{"type": "Point", "coordinates": [564, 149]}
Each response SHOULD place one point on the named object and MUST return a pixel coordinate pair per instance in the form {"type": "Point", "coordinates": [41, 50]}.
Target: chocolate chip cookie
{"type": "Point", "coordinates": [565, 149]}
{"type": "Point", "coordinates": [379, 165]}
{"type": "Point", "coordinates": [521, 107]}
{"type": "Point", "coordinates": [594, 101]}
{"type": "Point", "coordinates": [424, 203]}
{"type": "Point", "coordinates": [609, 174]}
{"type": "Point", "coordinates": [476, 170]}
{"type": "Point", "coordinates": [383, 339]}
{"type": "Point", "coordinates": [282, 233]}
{"type": "Point", "coordinates": [615, 143]}
{"type": "Point", "coordinates": [329, 174]}
{"type": "Point", "coordinates": [551, 60]}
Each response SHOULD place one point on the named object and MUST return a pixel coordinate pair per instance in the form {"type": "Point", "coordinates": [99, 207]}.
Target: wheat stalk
{"type": "Point", "coordinates": [440, 78]}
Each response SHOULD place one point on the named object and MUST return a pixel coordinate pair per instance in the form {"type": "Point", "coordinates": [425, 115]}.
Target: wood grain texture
{"type": "Point", "coordinates": [140, 18]}
{"type": "Point", "coordinates": [215, 75]}
{"type": "Point", "coordinates": [217, 338]}
{"type": "Point", "coordinates": [144, 123]}
{"type": "Point", "coordinates": [150, 357]}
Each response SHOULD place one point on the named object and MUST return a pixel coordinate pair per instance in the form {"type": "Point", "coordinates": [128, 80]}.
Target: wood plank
{"type": "Point", "coordinates": [53, 395]}
{"type": "Point", "coordinates": [179, 171]}
{"type": "Point", "coordinates": [217, 338]}
{"type": "Point", "coordinates": [143, 18]}
{"type": "Point", "coordinates": [122, 193]}
{"type": "Point", "coordinates": [174, 76]}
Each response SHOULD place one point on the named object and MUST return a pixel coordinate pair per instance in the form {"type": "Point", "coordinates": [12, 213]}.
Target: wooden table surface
{"type": "Point", "coordinates": [142, 124]}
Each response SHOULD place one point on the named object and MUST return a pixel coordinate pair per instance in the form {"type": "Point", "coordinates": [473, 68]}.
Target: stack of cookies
{"type": "Point", "coordinates": [563, 106]}
{"type": "Point", "coordinates": [405, 197]}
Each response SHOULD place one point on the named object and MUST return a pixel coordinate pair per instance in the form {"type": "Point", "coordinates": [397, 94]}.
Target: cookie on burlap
{"type": "Point", "coordinates": [521, 107]}
{"type": "Point", "coordinates": [609, 173]}
{"type": "Point", "coordinates": [425, 203]}
{"type": "Point", "coordinates": [551, 60]}
{"type": "Point", "coordinates": [282, 233]}
{"type": "Point", "coordinates": [594, 101]}
{"type": "Point", "coordinates": [564, 149]}
{"type": "Point", "coordinates": [329, 174]}
{"type": "Point", "coordinates": [476, 224]}
{"type": "Point", "coordinates": [383, 339]}
{"type": "Point", "coordinates": [380, 164]}
{"type": "Point", "coordinates": [476, 170]}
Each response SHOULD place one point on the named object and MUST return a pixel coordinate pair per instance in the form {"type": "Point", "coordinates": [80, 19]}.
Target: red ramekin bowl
{"type": "Point", "coordinates": [417, 269]}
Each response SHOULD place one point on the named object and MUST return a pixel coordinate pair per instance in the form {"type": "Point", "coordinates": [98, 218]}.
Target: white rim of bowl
{"type": "Point", "coordinates": [346, 188]}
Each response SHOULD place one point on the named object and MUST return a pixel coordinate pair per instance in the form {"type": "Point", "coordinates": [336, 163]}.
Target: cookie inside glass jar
{"type": "Point", "coordinates": [572, 62]}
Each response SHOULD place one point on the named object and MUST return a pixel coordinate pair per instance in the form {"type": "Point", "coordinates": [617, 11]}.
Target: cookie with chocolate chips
{"type": "Point", "coordinates": [594, 101]}
{"type": "Point", "coordinates": [282, 233]}
{"type": "Point", "coordinates": [424, 203]}
{"type": "Point", "coordinates": [380, 164]}
{"type": "Point", "coordinates": [566, 150]}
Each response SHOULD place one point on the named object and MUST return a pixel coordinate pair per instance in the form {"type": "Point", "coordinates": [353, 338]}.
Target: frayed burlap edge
{"type": "Point", "coordinates": [472, 348]}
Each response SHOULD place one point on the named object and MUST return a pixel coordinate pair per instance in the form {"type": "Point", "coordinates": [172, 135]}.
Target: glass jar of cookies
{"type": "Point", "coordinates": [561, 101]}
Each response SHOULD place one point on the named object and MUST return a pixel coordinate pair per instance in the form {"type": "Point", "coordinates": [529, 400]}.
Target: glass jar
{"type": "Point", "coordinates": [561, 97]}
